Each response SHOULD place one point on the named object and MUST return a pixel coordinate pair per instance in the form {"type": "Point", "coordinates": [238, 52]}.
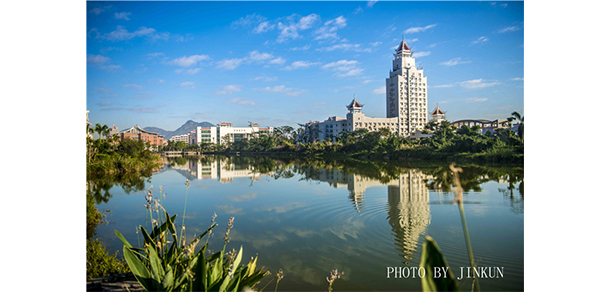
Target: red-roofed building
{"type": "Point", "coordinates": [138, 133]}
{"type": "Point", "coordinates": [437, 114]}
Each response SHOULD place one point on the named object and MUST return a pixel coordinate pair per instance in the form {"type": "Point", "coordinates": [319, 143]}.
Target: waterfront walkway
{"type": "Point", "coordinates": [114, 283]}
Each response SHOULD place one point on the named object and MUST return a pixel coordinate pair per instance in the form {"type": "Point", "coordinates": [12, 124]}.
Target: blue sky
{"type": "Point", "coordinates": [282, 63]}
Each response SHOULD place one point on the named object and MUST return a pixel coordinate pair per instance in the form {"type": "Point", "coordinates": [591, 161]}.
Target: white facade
{"type": "Point", "coordinates": [406, 104]}
{"type": "Point", "coordinates": [225, 132]}
{"type": "Point", "coordinates": [406, 92]}
{"type": "Point", "coordinates": [184, 138]}
{"type": "Point", "coordinates": [216, 135]}
{"type": "Point", "coordinates": [357, 120]}
{"type": "Point", "coordinates": [200, 135]}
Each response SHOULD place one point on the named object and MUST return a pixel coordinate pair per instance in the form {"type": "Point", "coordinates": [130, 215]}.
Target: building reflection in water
{"type": "Point", "coordinates": [222, 170]}
{"type": "Point", "coordinates": [408, 203]}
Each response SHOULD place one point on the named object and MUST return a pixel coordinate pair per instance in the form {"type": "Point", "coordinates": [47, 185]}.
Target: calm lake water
{"type": "Point", "coordinates": [310, 217]}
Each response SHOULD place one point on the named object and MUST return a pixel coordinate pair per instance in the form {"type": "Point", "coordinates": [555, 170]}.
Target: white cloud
{"type": "Point", "coordinates": [121, 34]}
{"type": "Point", "coordinates": [192, 71]}
{"type": "Point", "coordinates": [188, 61]}
{"type": "Point", "coordinates": [455, 61]}
{"type": "Point", "coordinates": [380, 90]}
{"type": "Point", "coordinates": [291, 29]}
{"type": "Point", "coordinates": [296, 93]}
{"type": "Point", "coordinates": [98, 10]}
{"type": "Point", "coordinates": [304, 48]}
{"type": "Point", "coordinates": [278, 60]}
{"type": "Point", "coordinates": [479, 40]}
{"type": "Point", "coordinates": [510, 28]}
{"type": "Point", "coordinates": [229, 89]}
{"type": "Point", "coordinates": [478, 83]}
{"type": "Point", "coordinates": [264, 27]}
{"type": "Point", "coordinates": [345, 47]}
{"type": "Point", "coordinates": [419, 29]}
{"type": "Point", "coordinates": [248, 20]}
{"type": "Point", "coordinates": [188, 83]}
{"type": "Point", "coordinates": [255, 56]}
{"type": "Point", "coordinates": [282, 89]}
{"type": "Point", "coordinates": [97, 59]}
{"type": "Point", "coordinates": [153, 55]}
{"type": "Point", "coordinates": [241, 101]}
{"type": "Point", "coordinates": [517, 79]}
{"type": "Point", "coordinates": [122, 15]}
{"type": "Point", "coordinates": [370, 3]}
{"type": "Point", "coordinates": [358, 10]}
{"type": "Point", "coordinates": [375, 44]}
{"type": "Point", "coordinates": [420, 54]}
{"type": "Point", "coordinates": [110, 67]}
{"type": "Point", "coordinates": [476, 99]}
{"type": "Point", "coordinates": [344, 68]}
{"type": "Point", "coordinates": [299, 64]}
{"type": "Point", "coordinates": [329, 30]}
{"type": "Point", "coordinates": [442, 86]}
{"type": "Point", "coordinates": [156, 80]}
{"type": "Point", "coordinates": [265, 78]}
{"type": "Point", "coordinates": [135, 86]}
{"type": "Point", "coordinates": [229, 64]}
{"type": "Point", "coordinates": [504, 5]}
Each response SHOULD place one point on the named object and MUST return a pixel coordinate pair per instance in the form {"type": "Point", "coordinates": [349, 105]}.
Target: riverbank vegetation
{"type": "Point", "coordinates": [167, 263]}
{"type": "Point", "coordinates": [109, 162]}
{"type": "Point", "coordinates": [441, 142]}
{"type": "Point", "coordinates": [114, 156]}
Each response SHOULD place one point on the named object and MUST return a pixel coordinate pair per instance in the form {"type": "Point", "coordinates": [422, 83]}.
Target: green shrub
{"type": "Point", "coordinates": [100, 263]}
{"type": "Point", "coordinates": [168, 263]}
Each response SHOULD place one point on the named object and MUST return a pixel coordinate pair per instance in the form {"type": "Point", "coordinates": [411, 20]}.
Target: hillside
{"type": "Point", "coordinates": [184, 129]}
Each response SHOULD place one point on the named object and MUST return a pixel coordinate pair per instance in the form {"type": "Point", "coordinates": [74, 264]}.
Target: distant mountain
{"type": "Point", "coordinates": [184, 129]}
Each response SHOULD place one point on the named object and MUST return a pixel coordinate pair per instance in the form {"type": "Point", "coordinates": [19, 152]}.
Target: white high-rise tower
{"type": "Point", "coordinates": [406, 92]}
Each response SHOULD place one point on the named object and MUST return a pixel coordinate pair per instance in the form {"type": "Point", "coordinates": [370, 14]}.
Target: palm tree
{"type": "Point", "coordinates": [104, 131]}
{"type": "Point", "coordinates": [519, 117]}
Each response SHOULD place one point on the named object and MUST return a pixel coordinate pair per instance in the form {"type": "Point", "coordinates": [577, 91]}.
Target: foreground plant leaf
{"type": "Point", "coordinates": [138, 269]}
{"type": "Point", "coordinates": [432, 257]}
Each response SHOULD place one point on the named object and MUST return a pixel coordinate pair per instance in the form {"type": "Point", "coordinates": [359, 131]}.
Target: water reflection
{"type": "Point", "coordinates": [224, 169]}
{"type": "Point", "coordinates": [408, 189]}
{"type": "Point", "coordinates": [373, 215]}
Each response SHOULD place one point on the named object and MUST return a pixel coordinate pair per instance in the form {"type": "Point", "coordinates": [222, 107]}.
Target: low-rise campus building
{"type": "Point", "coordinates": [138, 133]}
{"type": "Point", "coordinates": [222, 133]}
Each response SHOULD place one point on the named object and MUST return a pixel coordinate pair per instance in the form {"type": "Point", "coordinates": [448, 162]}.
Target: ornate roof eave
{"type": "Point", "coordinates": [355, 104]}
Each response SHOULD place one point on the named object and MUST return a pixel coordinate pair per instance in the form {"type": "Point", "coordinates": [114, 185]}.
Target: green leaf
{"type": "Point", "coordinates": [225, 283]}
{"type": "Point", "coordinates": [431, 258]}
{"type": "Point", "coordinates": [201, 236]}
{"type": "Point", "coordinates": [147, 238]}
{"type": "Point", "coordinates": [238, 258]}
{"type": "Point", "coordinates": [155, 264]}
{"type": "Point", "coordinates": [168, 280]}
{"type": "Point", "coordinates": [157, 231]}
{"type": "Point", "coordinates": [138, 269]}
{"type": "Point", "coordinates": [122, 238]}
{"type": "Point", "coordinates": [172, 227]}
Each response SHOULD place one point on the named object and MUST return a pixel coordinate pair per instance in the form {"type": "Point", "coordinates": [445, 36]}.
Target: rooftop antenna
{"type": "Point", "coordinates": [403, 37]}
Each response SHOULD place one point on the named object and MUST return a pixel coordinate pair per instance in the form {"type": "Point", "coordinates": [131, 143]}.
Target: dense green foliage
{"type": "Point", "coordinates": [100, 263]}
{"type": "Point", "coordinates": [111, 155]}
{"type": "Point", "coordinates": [110, 162]}
{"type": "Point", "coordinates": [94, 217]}
{"type": "Point", "coordinates": [445, 142]}
{"type": "Point", "coordinates": [167, 263]}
